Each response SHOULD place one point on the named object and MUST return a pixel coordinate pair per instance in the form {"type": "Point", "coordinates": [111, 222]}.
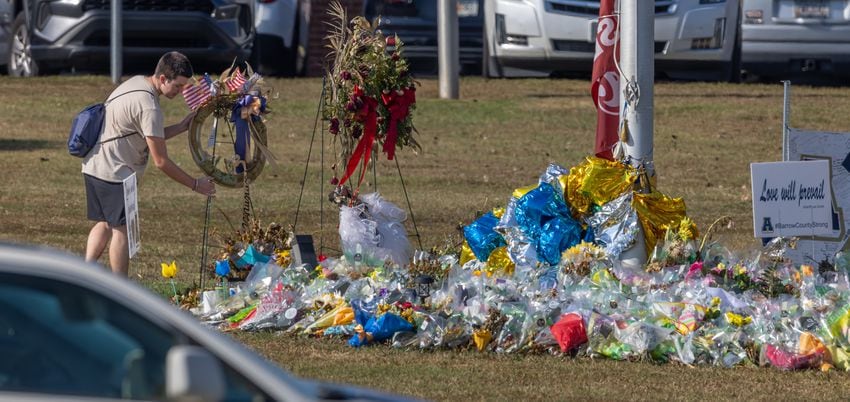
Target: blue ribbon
{"type": "Point", "coordinates": [243, 129]}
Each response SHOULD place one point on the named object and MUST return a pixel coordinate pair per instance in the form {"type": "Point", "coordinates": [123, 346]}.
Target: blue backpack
{"type": "Point", "coordinates": [87, 126]}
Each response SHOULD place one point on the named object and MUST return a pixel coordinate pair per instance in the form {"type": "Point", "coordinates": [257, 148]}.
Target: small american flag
{"type": "Point", "coordinates": [196, 95]}
{"type": "Point", "coordinates": [235, 82]}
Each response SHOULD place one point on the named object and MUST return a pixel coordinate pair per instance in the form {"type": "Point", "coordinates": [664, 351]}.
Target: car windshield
{"type": "Point", "coordinates": [425, 9]}
{"type": "Point", "coordinates": [59, 338]}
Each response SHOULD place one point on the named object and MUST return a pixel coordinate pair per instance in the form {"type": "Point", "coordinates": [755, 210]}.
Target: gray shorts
{"type": "Point", "coordinates": [105, 201]}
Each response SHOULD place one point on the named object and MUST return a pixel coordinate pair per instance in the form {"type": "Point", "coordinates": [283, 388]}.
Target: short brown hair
{"type": "Point", "coordinates": [174, 64]}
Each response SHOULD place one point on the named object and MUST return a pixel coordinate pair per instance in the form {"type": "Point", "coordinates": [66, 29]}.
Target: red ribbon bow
{"type": "Point", "coordinates": [398, 107]}
{"type": "Point", "coordinates": [368, 115]}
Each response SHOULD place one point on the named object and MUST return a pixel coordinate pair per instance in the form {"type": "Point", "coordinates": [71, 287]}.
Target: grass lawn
{"type": "Point", "coordinates": [499, 136]}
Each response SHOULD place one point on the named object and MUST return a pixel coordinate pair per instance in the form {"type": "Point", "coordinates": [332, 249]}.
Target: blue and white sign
{"type": "Point", "coordinates": [791, 198]}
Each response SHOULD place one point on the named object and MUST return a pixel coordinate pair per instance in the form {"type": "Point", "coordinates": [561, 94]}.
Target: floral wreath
{"type": "Point", "coordinates": [369, 95]}
{"type": "Point", "coordinates": [238, 98]}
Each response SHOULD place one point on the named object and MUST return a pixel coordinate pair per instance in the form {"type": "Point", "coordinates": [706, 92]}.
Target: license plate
{"type": "Point", "coordinates": [467, 8]}
{"type": "Point", "coordinates": [811, 9]}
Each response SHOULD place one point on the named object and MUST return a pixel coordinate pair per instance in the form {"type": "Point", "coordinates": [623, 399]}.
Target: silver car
{"type": "Point", "coordinates": [71, 331]}
{"type": "Point", "coordinates": [787, 38]}
{"type": "Point", "coordinates": [694, 39]}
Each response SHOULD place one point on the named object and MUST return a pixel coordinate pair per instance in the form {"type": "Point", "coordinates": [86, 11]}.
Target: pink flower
{"type": "Point", "coordinates": [694, 270]}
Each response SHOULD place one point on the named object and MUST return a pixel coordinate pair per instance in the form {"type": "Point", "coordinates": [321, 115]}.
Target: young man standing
{"type": "Point", "coordinates": [133, 130]}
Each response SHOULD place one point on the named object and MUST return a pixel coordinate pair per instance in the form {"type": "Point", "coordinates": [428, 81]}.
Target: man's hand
{"type": "Point", "coordinates": [204, 185]}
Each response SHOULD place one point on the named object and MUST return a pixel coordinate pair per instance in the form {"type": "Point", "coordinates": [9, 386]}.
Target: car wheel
{"type": "Point", "coordinates": [21, 63]}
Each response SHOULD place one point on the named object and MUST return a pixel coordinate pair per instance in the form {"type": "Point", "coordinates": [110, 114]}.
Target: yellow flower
{"type": "Point", "coordinates": [282, 258]}
{"type": "Point", "coordinates": [807, 270]}
{"type": "Point", "coordinates": [738, 320]}
{"type": "Point", "coordinates": [741, 269]}
{"type": "Point", "coordinates": [687, 229]}
{"type": "Point", "coordinates": [169, 270]}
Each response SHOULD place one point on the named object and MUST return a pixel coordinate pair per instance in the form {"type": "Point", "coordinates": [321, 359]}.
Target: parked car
{"type": "Point", "coordinates": [69, 330]}
{"type": "Point", "coordinates": [45, 36]}
{"type": "Point", "coordinates": [796, 38]}
{"type": "Point", "coordinates": [696, 39]}
{"type": "Point", "coordinates": [415, 23]}
{"type": "Point", "coordinates": [280, 46]}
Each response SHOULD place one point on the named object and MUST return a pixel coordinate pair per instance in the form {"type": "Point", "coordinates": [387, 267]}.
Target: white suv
{"type": "Point", "coordinates": [280, 46]}
{"type": "Point", "coordinates": [796, 38]}
{"type": "Point", "coordinates": [694, 39]}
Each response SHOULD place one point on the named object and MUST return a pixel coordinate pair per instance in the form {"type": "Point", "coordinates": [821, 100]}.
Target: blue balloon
{"type": "Point", "coordinates": [481, 237]}
{"type": "Point", "coordinates": [544, 217]}
{"type": "Point", "coordinates": [558, 234]}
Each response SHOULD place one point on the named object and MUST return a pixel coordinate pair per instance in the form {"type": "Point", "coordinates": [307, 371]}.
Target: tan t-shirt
{"type": "Point", "coordinates": [138, 114]}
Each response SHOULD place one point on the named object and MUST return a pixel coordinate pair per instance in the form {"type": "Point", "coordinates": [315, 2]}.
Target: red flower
{"type": "Point", "coordinates": [390, 40]}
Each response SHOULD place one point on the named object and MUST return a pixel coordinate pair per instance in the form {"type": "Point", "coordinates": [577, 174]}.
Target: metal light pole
{"type": "Point", "coordinates": [447, 43]}
{"type": "Point", "coordinates": [637, 60]}
{"type": "Point", "coordinates": [115, 41]}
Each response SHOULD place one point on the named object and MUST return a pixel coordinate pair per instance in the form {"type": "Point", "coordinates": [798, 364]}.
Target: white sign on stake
{"type": "Point", "coordinates": [791, 198]}
{"type": "Point", "coordinates": [131, 212]}
{"type": "Point", "coordinates": [833, 147]}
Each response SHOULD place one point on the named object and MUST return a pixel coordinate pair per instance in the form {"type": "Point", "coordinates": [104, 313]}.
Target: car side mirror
{"type": "Point", "coordinates": [193, 374]}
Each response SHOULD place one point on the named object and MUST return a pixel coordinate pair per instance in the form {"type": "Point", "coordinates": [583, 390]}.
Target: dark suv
{"type": "Point", "coordinates": [415, 22]}
{"type": "Point", "coordinates": [50, 36]}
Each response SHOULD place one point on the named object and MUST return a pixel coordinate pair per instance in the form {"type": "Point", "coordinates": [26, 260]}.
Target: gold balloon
{"type": "Point", "coordinates": [466, 254]}
{"type": "Point", "coordinates": [657, 213]}
{"type": "Point", "coordinates": [499, 262]}
{"type": "Point", "coordinates": [596, 181]}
